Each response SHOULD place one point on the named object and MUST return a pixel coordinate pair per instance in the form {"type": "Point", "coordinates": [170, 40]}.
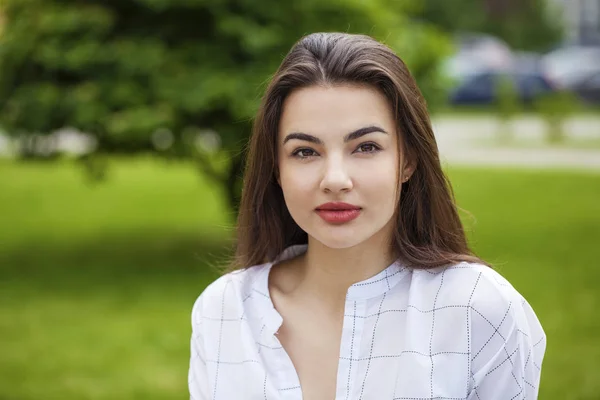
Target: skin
{"type": "Point", "coordinates": [309, 291]}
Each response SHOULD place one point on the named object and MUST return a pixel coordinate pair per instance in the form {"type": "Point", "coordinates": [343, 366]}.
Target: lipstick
{"type": "Point", "coordinates": [338, 212]}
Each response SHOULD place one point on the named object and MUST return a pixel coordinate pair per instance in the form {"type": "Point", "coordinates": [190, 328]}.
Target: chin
{"type": "Point", "coordinates": [339, 238]}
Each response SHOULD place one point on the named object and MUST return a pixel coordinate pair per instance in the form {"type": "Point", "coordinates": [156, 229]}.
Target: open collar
{"type": "Point", "coordinates": [372, 287]}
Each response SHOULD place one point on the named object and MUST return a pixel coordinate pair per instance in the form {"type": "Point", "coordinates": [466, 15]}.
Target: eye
{"type": "Point", "coordinates": [304, 153]}
{"type": "Point", "coordinates": [368, 148]}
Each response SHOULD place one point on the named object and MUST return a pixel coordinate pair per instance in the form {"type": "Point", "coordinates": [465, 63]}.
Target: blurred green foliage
{"type": "Point", "coordinates": [525, 24]}
{"type": "Point", "coordinates": [555, 108]}
{"type": "Point", "coordinates": [98, 282]}
{"type": "Point", "coordinates": [133, 71]}
{"type": "Point", "coordinates": [507, 104]}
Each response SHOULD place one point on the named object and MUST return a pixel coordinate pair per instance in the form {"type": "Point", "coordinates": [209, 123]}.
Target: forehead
{"type": "Point", "coordinates": [335, 110]}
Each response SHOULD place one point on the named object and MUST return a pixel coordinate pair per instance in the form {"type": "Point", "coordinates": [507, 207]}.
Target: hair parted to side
{"type": "Point", "coordinates": [428, 231]}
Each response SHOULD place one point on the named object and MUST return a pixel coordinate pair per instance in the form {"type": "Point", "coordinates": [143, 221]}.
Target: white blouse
{"type": "Point", "coordinates": [458, 332]}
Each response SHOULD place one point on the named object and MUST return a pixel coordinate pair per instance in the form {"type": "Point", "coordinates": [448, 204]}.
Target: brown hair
{"type": "Point", "coordinates": [428, 231]}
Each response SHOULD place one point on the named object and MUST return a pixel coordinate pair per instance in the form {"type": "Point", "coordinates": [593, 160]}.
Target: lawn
{"type": "Point", "coordinates": [97, 281]}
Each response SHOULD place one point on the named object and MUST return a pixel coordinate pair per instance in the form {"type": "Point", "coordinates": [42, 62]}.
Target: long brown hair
{"type": "Point", "coordinates": [428, 231]}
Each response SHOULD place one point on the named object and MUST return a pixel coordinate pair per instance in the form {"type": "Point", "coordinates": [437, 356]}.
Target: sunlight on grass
{"type": "Point", "coordinates": [99, 281]}
{"type": "Point", "coordinates": [56, 201]}
{"type": "Point", "coordinates": [540, 230]}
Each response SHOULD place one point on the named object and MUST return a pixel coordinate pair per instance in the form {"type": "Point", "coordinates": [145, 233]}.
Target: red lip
{"type": "Point", "coordinates": [337, 206]}
{"type": "Point", "coordinates": [338, 213]}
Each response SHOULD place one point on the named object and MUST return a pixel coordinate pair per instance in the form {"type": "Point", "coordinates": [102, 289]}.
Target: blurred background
{"type": "Point", "coordinates": [122, 130]}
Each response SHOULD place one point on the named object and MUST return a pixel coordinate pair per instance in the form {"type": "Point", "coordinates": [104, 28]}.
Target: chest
{"type": "Point", "coordinates": [379, 351]}
{"type": "Point", "coordinates": [312, 341]}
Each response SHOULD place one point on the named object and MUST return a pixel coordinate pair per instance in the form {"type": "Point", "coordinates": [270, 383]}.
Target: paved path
{"type": "Point", "coordinates": [470, 141]}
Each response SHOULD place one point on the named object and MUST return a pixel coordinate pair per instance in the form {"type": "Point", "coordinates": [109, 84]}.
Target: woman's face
{"type": "Point", "coordinates": [338, 163]}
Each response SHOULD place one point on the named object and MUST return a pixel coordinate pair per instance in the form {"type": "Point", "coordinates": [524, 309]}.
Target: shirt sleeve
{"type": "Point", "coordinates": [508, 344]}
{"type": "Point", "coordinates": [197, 376]}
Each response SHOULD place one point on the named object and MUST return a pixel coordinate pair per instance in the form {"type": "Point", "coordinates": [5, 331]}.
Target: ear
{"type": "Point", "coordinates": [277, 177]}
{"type": "Point", "coordinates": [409, 167]}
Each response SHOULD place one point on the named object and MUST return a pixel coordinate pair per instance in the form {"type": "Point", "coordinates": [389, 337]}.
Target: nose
{"type": "Point", "coordinates": [336, 177]}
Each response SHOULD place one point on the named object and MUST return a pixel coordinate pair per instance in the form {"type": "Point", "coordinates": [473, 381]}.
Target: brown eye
{"type": "Point", "coordinates": [367, 148]}
{"type": "Point", "coordinates": [304, 153]}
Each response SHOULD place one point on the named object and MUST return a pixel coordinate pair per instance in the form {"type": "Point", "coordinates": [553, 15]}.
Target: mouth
{"type": "Point", "coordinates": [338, 213]}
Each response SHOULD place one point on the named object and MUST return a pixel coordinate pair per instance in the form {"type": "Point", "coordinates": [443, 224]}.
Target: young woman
{"type": "Point", "coordinates": [353, 278]}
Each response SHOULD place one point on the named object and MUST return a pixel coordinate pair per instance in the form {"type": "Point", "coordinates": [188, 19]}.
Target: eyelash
{"type": "Point", "coordinates": [376, 148]}
{"type": "Point", "coordinates": [297, 152]}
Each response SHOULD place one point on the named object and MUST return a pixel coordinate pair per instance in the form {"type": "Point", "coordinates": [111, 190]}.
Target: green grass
{"type": "Point", "coordinates": [542, 231]}
{"type": "Point", "coordinates": [97, 281]}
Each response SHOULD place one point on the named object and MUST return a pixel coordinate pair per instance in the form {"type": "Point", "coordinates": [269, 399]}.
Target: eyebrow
{"type": "Point", "coordinates": [351, 136]}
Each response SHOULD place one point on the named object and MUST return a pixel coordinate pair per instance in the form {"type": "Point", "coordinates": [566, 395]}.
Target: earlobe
{"type": "Point", "coordinates": [409, 169]}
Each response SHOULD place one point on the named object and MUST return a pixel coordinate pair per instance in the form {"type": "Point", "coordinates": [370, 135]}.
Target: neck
{"type": "Point", "coordinates": [327, 273]}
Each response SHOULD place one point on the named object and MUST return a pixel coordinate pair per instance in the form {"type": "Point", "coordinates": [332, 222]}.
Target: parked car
{"type": "Point", "coordinates": [588, 89]}
{"type": "Point", "coordinates": [568, 66]}
{"type": "Point", "coordinates": [483, 88]}
{"type": "Point", "coordinates": [476, 53]}
{"type": "Point", "coordinates": [527, 61]}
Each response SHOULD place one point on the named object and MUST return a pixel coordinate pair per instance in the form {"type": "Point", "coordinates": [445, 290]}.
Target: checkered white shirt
{"type": "Point", "coordinates": [458, 332]}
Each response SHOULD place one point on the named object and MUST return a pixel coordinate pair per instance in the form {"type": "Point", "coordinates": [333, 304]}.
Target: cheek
{"type": "Point", "coordinates": [380, 175]}
{"type": "Point", "coordinates": [296, 182]}
{"type": "Point", "coordinates": [380, 187]}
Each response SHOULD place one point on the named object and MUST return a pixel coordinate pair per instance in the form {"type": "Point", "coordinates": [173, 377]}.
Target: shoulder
{"type": "Point", "coordinates": [227, 292]}
{"type": "Point", "coordinates": [468, 284]}
{"type": "Point", "coordinates": [494, 304]}
{"type": "Point", "coordinates": [496, 312]}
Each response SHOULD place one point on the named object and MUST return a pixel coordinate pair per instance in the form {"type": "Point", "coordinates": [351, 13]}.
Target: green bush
{"type": "Point", "coordinates": [555, 108]}
{"type": "Point", "coordinates": [507, 105]}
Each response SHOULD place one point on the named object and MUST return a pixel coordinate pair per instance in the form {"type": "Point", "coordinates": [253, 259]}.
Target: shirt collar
{"type": "Point", "coordinates": [372, 287]}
